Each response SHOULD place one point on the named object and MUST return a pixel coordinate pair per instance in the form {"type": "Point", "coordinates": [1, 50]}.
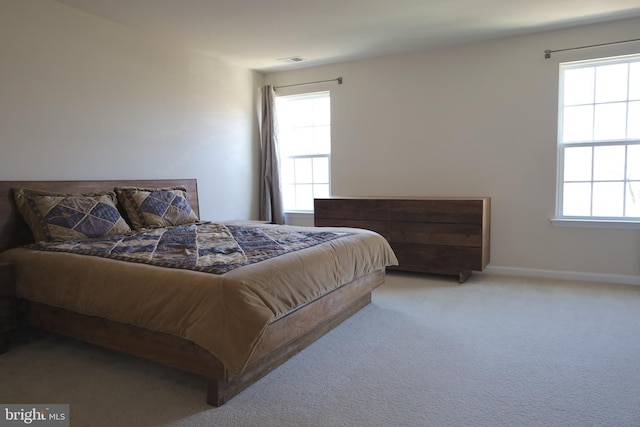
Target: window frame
{"type": "Point", "coordinates": [594, 221]}
{"type": "Point", "coordinates": [307, 95]}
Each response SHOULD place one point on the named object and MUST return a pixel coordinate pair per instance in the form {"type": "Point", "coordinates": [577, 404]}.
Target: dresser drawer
{"type": "Point", "coordinates": [437, 211]}
{"type": "Point", "coordinates": [436, 257]}
{"type": "Point", "coordinates": [469, 235]}
{"type": "Point", "coordinates": [349, 209]}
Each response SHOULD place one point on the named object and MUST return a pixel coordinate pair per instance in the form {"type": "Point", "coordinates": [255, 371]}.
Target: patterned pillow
{"type": "Point", "coordinates": [61, 217]}
{"type": "Point", "coordinates": [156, 207]}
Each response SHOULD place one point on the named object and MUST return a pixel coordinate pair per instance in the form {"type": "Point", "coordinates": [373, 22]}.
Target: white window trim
{"type": "Point", "coordinates": [594, 223]}
{"type": "Point", "coordinates": [560, 220]}
{"type": "Point", "coordinates": [307, 213]}
{"type": "Point", "coordinates": [300, 214]}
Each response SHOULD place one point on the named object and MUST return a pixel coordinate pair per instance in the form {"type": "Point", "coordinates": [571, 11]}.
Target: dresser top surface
{"type": "Point", "coordinates": [401, 198]}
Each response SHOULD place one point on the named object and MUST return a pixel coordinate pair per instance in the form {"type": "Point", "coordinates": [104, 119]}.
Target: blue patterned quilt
{"type": "Point", "coordinates": [207, 247]}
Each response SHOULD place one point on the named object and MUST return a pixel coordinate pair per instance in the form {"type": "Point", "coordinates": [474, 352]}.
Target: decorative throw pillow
{"type": "Point", "coordinates": [156, 207]}
{"type": "Point", "coordinates": [61, 217]}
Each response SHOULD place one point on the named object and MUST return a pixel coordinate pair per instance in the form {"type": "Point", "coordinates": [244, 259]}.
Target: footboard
{"type": "Point", "coordinates": [289, 335]}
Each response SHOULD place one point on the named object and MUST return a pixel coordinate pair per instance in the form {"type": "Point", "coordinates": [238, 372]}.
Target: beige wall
{"type": "Point", "coordinates": [475, 120]}
{"type": "Point", "coordinates": [84, 98]}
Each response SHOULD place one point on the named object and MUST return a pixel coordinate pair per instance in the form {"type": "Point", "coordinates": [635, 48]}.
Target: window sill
{"type": "Point", "coordinates": [299, 213]}
{"type": "Point", "coordinates": [595, 223]}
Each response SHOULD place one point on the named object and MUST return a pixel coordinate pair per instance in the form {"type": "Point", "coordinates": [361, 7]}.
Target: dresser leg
{"type": "Point", "coordinates": [463, 276]}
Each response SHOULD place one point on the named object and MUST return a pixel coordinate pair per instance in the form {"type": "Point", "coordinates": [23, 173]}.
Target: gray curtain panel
{"type": "Point", "coordinates": [271, 207]}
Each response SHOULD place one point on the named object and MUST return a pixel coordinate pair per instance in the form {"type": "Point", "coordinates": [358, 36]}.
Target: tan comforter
{"type": "Point", "coordinates": [225, 314]}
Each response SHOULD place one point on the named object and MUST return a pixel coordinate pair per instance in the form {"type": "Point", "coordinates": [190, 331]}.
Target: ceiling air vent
{"type": "Point", "coordinates": [292, 59]}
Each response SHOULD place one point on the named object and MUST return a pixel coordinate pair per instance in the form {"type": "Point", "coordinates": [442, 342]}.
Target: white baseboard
{"type": "Point", "coordinates": [564, 275]}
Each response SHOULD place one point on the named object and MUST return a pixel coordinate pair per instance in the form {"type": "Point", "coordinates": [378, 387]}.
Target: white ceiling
{"type": "Point", "coordinates": [256, 33]}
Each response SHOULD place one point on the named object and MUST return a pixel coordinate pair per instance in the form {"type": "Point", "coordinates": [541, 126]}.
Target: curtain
{"type": "Point", "coordinates": [271, 207]}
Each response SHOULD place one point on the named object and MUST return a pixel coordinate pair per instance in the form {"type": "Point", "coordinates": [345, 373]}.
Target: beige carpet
{"type": "Point", "coordinates": [496, 351]}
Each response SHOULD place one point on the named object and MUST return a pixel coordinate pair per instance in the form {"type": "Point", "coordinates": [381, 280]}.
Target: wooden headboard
{"type": "Point", "coordinates": [14, 231]}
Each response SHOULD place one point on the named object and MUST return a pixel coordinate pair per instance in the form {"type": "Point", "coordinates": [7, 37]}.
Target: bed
{"type": "Point", "coordinates": [231, 320]}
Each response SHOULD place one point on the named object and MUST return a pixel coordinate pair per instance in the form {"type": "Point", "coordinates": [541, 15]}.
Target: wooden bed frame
{"type": "Point", "coordinates": [283, 337]}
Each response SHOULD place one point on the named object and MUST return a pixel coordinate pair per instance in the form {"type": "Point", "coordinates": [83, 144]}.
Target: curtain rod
{"type": "Point", "coordinates": [547, 53]}
{"type": "Point", "coordinates": [339, 80]}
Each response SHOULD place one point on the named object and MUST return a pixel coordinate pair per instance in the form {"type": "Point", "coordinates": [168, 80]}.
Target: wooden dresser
{"type": "Point", "coordinates": [432, 235]}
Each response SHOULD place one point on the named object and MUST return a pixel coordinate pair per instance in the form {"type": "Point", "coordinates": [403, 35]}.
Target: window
{"type": "Point", "coordinates": [599, 140]}
{"type": "Point", "coordinates": [304, 138]}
